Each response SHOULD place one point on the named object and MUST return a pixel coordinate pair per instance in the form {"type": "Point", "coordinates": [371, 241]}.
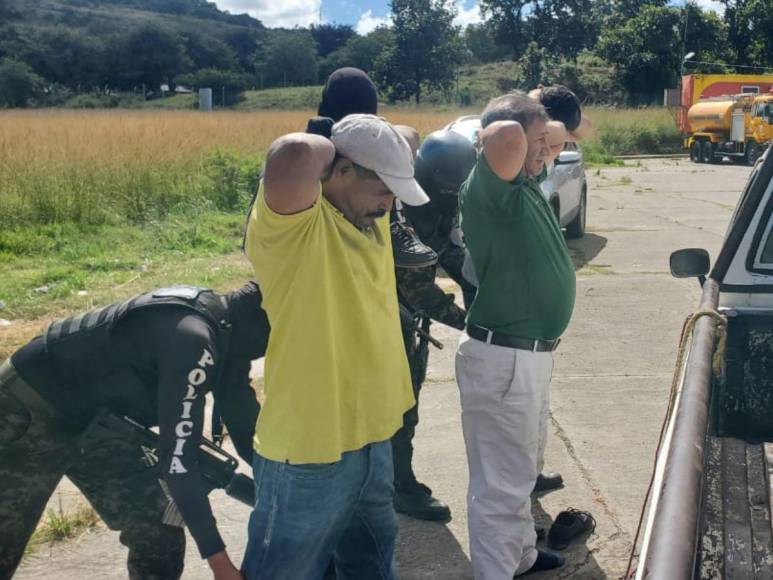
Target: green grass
{"type": "Point", "coordinates": [60, 267]}
{"type": "Point", "coordinates": [59, 525]}
{"type": "Point", "coordinates": [136, 193]}
{"type": "Point", "coordinates": [289, 98]}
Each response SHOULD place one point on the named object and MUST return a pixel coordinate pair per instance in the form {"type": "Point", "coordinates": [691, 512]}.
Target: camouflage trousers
{"type": "Point", "coordinates": [38, 448]}
{"type": "Point", "coordinates": [402, 441]}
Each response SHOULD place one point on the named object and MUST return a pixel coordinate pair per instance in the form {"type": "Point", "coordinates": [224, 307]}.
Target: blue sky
{"type": "Point", "coordinates": [364, 15]}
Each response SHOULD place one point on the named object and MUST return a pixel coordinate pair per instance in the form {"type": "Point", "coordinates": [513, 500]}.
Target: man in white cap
{"type": "Point", "coordinates": [336, 378]}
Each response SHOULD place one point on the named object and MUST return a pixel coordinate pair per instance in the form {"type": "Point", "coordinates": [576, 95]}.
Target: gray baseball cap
{"type": "Point", "coordinates": [372, 143]}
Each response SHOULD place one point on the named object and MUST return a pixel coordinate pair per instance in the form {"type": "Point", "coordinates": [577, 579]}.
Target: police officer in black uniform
{"type": "Point", "coordinates": [152, 358]}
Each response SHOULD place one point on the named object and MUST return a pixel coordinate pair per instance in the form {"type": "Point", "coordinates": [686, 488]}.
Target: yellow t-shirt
{"type": "Point", "coordinates": [336, 374]}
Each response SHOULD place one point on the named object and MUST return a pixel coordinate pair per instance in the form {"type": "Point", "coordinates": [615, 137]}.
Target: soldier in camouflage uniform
{"type": "Point", "coordinates": [152, 358]}
{"type": "Point", "coordinates": [442, 164]}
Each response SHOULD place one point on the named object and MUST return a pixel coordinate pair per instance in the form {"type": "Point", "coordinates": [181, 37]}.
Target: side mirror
{"type": "Point", "coordinates": [690, 263]}
{"type": "Point", "coordinates": [566, 157]}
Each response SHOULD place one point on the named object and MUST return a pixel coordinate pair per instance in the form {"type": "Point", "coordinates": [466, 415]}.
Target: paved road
{"type": "Point", "coordinates": [612, 374]}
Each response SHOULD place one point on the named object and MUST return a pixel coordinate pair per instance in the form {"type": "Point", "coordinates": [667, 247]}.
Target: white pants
{"type": "Point", "coordinates": [505, 400]}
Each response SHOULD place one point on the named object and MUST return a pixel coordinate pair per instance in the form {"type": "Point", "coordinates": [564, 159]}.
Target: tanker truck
{"type": "Point", "coordinates": [739, 127]}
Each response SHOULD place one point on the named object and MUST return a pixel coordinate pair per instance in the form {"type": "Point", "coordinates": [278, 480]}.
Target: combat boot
{"type": "Point", "coordinates": [416, 501]}
{"type": "Point", "coordinates": [409, 251]}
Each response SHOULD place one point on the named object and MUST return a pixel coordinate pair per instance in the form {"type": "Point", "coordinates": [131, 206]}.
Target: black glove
{"type": "Point", "coordinates": [320, 126]}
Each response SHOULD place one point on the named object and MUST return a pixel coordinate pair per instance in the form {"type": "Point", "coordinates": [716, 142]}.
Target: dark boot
{"type": "Point", "coordinates": [548, 482]}
{"type": "Point", "coordinates": [546, 560]}
{"type": "Point", "coordinates": [409, 251]}
{"type": "Point", "coordinates": [416, 501]}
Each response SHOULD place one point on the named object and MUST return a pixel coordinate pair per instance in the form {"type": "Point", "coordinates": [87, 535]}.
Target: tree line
{"type": "Point", "coordinates": [607, 50]}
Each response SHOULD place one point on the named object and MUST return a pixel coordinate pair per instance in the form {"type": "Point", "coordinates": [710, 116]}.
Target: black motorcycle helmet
{"type": "Point", "coordinates": [443, 163]}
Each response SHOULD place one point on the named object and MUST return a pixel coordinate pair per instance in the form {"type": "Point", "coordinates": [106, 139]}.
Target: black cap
{"type": "Point", "coordinates": [249, 323]}
{"type": "Point", "coordinates": [562, 105]}
{"type": "Point", "coordinates": [347, 91]}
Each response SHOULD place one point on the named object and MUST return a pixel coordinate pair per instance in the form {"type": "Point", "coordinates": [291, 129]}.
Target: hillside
{"type": "Point", "coordinates": [101, 16]}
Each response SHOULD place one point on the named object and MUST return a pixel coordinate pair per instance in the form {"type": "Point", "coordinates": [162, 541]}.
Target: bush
{"type": "Point", "coordinates": [18, 83]}
{"type": "Point", "coordinates": [632, 131]}
{"type": "Point", "coordinates": [231, 179]}
{"type": "Point", "coordinates": [233, 83]}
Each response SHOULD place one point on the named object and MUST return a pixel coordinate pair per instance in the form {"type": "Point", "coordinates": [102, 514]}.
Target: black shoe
{"type": "Point", "coordinates": [545, 561]}
{"type": "Point", "coordinates": [569, 525]}
{"type": "Point", "coordinates": [417, 502]}
{"type": "Point", "coordinates": [548, 482]}
{"type": "Point", "coordinates": [408, 249]}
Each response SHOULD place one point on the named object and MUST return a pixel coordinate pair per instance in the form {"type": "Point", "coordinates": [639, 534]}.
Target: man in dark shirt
{"type": "Point", "coordinates": [152, 358]}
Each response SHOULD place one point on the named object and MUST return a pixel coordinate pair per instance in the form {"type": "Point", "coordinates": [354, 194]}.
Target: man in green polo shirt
{"type": "Point", "coordinates": [523, 305]}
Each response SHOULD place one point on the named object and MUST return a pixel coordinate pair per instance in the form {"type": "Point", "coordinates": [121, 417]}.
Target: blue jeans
{"type": "Point", "coordinates": [308, 515]}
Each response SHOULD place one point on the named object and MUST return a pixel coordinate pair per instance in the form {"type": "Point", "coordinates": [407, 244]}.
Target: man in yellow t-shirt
{"type": "Point", "coordinates": [336, 377]}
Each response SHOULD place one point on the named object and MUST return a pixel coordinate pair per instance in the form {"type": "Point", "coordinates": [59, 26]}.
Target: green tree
{"type": "Point", "coordinates": [362, 52]}
{"type": "Point", "coordinates": [245, 43]}
{"type": "Point", "coordinates": [208, 52]}
{"type": "Point", "coordinates": [630, 8]}
{"type": "Point", "coordinates": [149, 56]}
{"type": "Point", "coordinates": [508, 20]}
{"type": "Point", "coordinates": [288, 57]}
{"type": "Point", "coordinates": [426, 52]}
{"type": "Point", "coordinates": [642, 50]}
{"type": "Point", "coordinates": [331, 37]}
{"type": "Point", "coordinates": [65, 56]}
{"type": "Point", "coordinates": [591, 78]}
{"type": "Point", "coordinates": [750, 31]}
{"type": "Point", "coordinates": [706, 37]}
{"type": "Point", "coordinates": [18, 83]}
{"type": "Point", "coordinates": [481, 44]}
{"type": "Point", "coordinates": [565, 27]}
{"type": "Point", "coordinates": [534, 66]}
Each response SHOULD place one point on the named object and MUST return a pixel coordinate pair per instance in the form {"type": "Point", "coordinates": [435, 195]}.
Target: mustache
{"type": "Point", "coordinates": [376, 214]}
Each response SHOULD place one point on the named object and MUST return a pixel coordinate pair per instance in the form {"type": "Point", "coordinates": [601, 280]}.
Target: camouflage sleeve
{"type": "Point", "coordinates": [417, 287]}
{"type": "Point", "coordinates": [451, 259]}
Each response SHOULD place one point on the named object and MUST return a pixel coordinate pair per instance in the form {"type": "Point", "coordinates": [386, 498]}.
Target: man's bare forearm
{"type": "Point", "coordinates": [295, 164]}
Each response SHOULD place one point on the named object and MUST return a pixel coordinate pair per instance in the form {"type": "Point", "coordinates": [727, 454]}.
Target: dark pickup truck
{"type": "Point", "coordinates": [709, 513]}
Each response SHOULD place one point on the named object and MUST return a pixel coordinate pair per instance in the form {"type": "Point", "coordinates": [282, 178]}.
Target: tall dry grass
{"type": "Point", "coordinates": [105, 166]}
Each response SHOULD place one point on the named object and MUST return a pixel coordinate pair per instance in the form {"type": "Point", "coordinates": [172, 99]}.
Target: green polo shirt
{"type": "Point", "coordinates": [526, 277]}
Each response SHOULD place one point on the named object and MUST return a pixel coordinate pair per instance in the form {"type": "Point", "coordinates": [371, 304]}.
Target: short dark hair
{"type": "Point", "coordinates": [514, 106]}
{"type": "Point", "coordinates": [562, 105]}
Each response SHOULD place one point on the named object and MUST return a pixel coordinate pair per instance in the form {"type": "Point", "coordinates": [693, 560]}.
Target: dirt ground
{"type": "Point", "coordinates": [613, 371]}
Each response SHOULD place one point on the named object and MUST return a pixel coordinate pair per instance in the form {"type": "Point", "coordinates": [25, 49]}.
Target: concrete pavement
{"type": "Point", "coordinates": [612, 375]}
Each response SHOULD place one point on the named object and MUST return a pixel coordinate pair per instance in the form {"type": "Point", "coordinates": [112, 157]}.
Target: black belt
{"type": "Point", "coordinates": [510, 341]}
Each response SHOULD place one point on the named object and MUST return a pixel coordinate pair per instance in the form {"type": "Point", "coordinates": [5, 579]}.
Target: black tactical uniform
{"type": "Point", "coordinates": [152, 358]}
{"type": "Point", "coordinates": [442, 165]}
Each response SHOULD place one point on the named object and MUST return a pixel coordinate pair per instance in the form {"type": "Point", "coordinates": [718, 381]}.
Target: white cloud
{"type": "Point", "coordinates": [711, 5]}
{"type": "Point", "coordinates": [368, 23]}
{"type": "Point", "coordinates": [287, 13]}
{"type": "Point", "coordinates": [467, 16]}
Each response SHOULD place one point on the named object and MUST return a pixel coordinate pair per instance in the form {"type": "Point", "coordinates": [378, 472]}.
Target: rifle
{"type": "Point", "coordinates": [412, 321]}
{"type": "Point", "coordinates": [218, 467]}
